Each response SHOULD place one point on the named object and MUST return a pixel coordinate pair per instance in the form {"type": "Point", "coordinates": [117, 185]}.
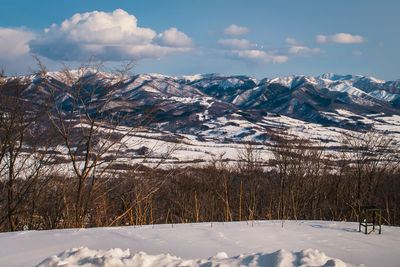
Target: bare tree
{"type": "Point", "coordinates": [83, 115]}
{"type": "Point", "coordinates": [300, 165]}
{"type": "Point", "coordinates": [21, 161]}
{"type": "Point", "coordinates": [369, 155]}
{"type": "Point", "coordinates": [250, 166]}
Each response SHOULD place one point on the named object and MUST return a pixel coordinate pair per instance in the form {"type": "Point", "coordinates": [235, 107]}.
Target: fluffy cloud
{"type": "Point", "coordinates": [239, 44]}
{"type": "Point", "coordinates": [110, 36]}
{"type": "Point", "coordinates": [14, 50]}
{"type": "Point", "coordinates": [235, 30]}
{"type": "Point", "coordinates": [14, 43]}
{"type": "Point", "coordinates": [174, 38]}
{"type": "Point", "coordinates": [339, 38]}
{"type": "Point", "coordinates": [258, 56]}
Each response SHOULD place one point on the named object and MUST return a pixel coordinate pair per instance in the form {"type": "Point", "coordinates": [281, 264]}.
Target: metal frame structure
{"type": "Point", "coordinates": [370, 216]}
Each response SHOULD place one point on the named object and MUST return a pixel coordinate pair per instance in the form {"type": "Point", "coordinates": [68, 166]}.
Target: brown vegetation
{"type": "Point", "coordinates": [300, 185]}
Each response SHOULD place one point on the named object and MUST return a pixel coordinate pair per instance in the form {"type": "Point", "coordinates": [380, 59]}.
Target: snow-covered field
{"type": "Point", "coordinates": [260, 243]}
{"type": "Point", "coordinates": [225, 139]}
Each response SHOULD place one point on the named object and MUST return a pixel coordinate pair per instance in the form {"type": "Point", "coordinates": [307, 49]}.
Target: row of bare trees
{"type": "Point", "coordinates": [301, 181]}
{"type": "Point", "coordinates": [298, 184]}
{"type": "Point", "coordinates": [59, 146]}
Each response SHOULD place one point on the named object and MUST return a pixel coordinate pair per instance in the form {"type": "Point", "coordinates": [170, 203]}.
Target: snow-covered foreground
{"type": "Point", "coordinates": [262, 243]}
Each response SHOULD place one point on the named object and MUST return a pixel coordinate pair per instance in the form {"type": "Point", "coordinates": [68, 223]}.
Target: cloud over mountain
{"type": "Point", "coordinates": [109, 36]}
{"type": "Point", "coordinates": [258, 56]}
{"type": "Point", "coordinates": [302, 50]}
{"type": "Point", "coordinates": [298, 48]}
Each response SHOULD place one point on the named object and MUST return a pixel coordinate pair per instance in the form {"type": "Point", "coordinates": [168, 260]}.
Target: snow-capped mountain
{"type": "Point", "coordinates": [234, 107]}
{"type": "Point", "coordinates": [192, 101]}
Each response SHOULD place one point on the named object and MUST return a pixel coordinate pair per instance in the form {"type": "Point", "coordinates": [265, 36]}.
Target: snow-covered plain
{"type": "Point", "coordinates": [259, 243]}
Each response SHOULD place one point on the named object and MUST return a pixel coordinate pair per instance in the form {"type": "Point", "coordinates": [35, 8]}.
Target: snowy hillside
{"type": "Point", "coordinates": [259, 243]}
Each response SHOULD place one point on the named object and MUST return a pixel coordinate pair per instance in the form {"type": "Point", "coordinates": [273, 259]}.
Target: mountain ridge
{"type": "Point", "coordinates": [203, 104]}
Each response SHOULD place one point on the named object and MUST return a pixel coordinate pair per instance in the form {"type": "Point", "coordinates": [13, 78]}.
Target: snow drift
{"type": "Point", "coordinates": [117, 257]}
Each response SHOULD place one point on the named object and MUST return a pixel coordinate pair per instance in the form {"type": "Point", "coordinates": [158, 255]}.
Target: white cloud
{"type": "Point", "coordinates": [104, 28]}
{"type": "Point", "coordinates": [339, 38]}
{"type": "Point", "coordinates": [235, 30]}
{"type": "Point", "coordinates": [259, 56]}
{"type": "Point", "coordinates": [174, 38]}
{"type": "Point", "coordinates": [243, 49]}
{"type": "Point", "coordinates": [292, 41]}
{"type": "Point", "coordinates": [303, 50]}
{"type": "Point", "coordinates": [321, 39]}
{"type": "Point", "coordinates": [239, 44]}
{"type": "Point", "coordinates": [346, 38]}
{"type": "Point", "coordinates": [357, 53]}
{"type": "Point", "coordinates": [14, 50]}
{"type": "Point", "coordinates": [14, 43]}
{"type": "Point", "coordinates": [298, 48]}
{"type": "Point", "coordinates": [110, 36]}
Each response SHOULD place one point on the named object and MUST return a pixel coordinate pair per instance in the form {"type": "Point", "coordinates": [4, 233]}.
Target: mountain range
{"type": "Point", "coordinates": [234, 108]}
{"type": "Point", "coordinates": [200, 103]}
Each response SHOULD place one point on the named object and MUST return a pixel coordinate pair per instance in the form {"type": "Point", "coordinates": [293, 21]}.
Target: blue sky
{"type": "Point", "coordinates": [184, 37]}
